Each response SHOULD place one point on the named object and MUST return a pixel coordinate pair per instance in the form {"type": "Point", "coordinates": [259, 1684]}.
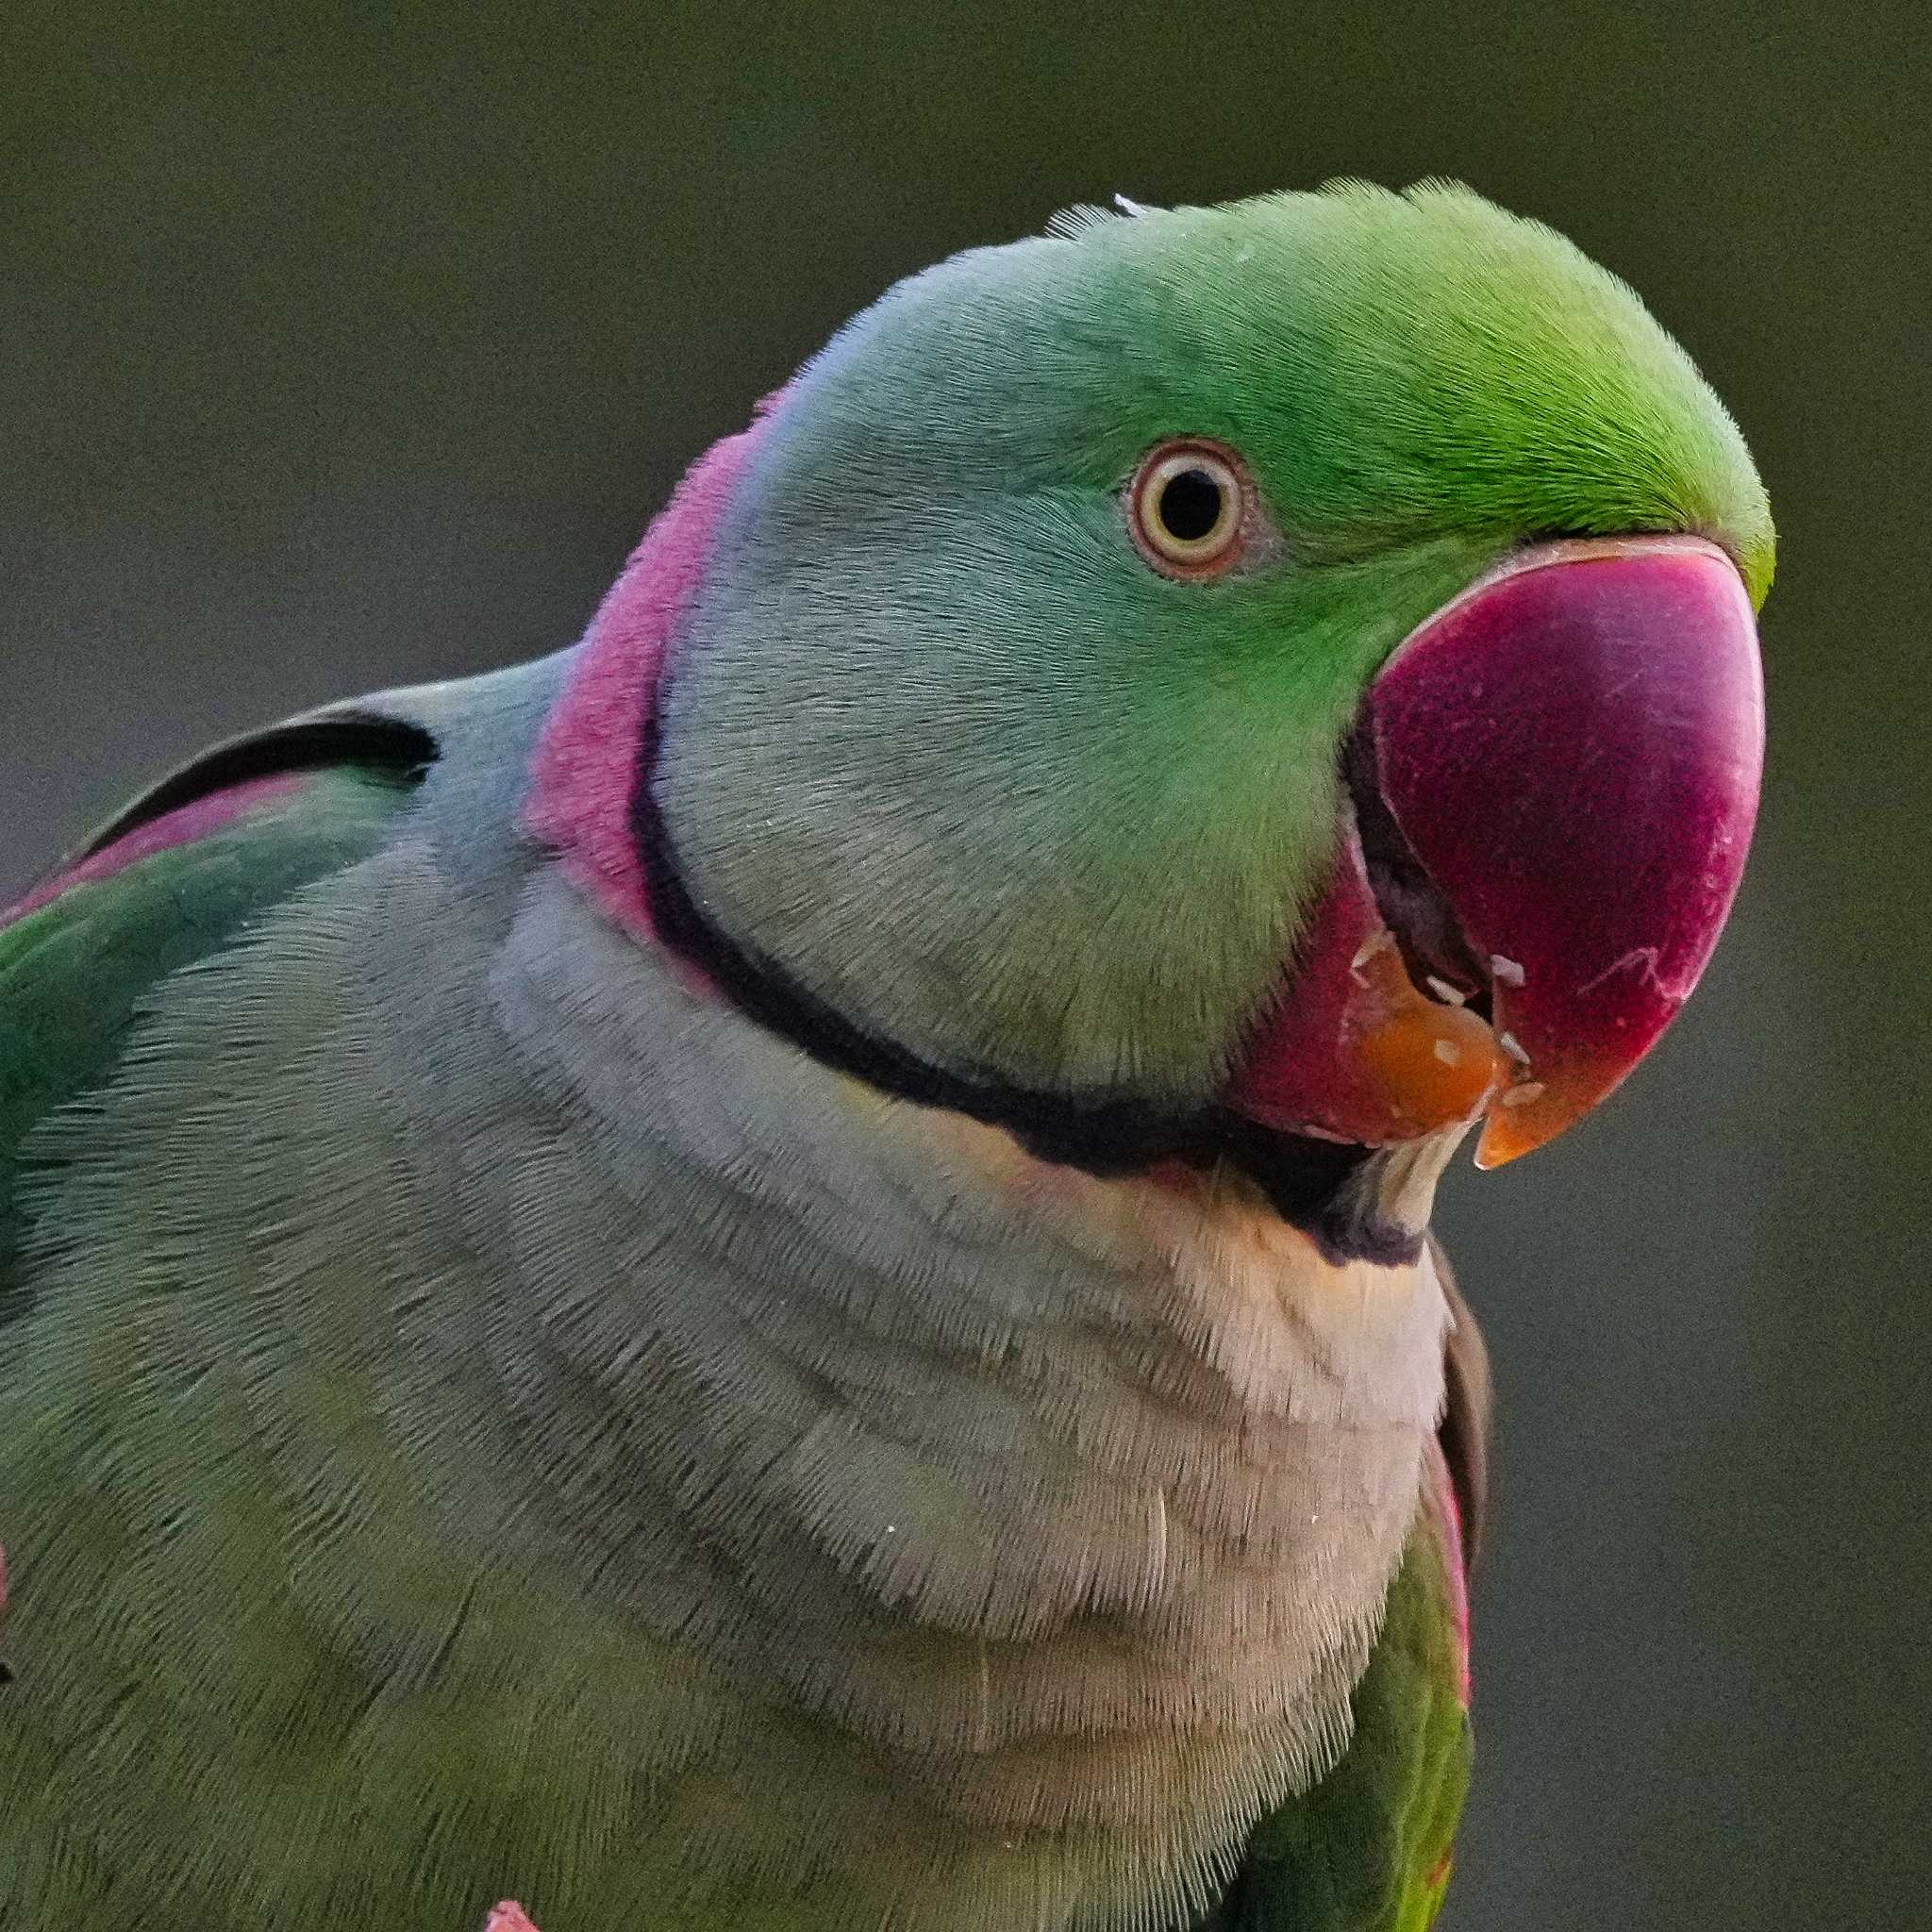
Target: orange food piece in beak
{"type": "Point", "coordinates": [1437, 1064]}
{"type": "Point", "coordinates": [1353, 1052]}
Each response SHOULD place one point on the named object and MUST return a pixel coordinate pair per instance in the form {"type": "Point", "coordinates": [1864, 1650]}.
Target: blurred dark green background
{"type": "Point", "coordinates": [341, 349]}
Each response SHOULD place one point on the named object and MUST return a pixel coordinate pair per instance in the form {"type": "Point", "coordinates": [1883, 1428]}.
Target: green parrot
{"type": "Point", "coordinates": [773, 1274]}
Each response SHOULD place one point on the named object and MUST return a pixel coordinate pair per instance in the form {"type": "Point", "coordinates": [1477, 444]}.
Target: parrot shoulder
{"type": "Point", "coordinates": [1368, 1848]}
{"type": "Point", "coordinates": [175, 877]}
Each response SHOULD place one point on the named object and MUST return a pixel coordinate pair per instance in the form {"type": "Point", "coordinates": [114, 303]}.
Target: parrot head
{"type": "Point", "coordinates": [1274, 683]}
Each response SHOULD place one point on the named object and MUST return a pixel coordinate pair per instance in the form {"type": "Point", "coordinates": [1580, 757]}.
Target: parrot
{"type": "Point", "coordinates": [775, 1271]}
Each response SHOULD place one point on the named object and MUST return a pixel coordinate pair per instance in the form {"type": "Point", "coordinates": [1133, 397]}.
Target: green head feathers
{"type": "Point", "coordinates": [981, 779]}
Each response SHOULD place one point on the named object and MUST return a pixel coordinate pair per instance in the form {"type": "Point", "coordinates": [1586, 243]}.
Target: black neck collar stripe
{"type": "Point", "coordinates": [1322, 1188]}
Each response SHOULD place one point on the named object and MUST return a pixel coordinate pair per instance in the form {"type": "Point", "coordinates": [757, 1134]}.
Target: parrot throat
{"type": "Point", "coordinates": [1338, 1196]}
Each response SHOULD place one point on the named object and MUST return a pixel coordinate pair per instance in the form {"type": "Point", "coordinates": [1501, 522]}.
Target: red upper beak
{"type": "Point", "coordinates": [1565, 765]}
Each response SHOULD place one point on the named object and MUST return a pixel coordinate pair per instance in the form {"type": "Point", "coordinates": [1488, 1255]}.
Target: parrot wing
{"type": "Point", "coordinates": [1368, 1848]}
{"type": "Point", "coordinates": [173, 879]}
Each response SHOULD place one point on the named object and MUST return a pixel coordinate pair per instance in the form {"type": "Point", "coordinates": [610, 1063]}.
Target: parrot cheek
{"type": "Point", "coordinates": [1553, 782]}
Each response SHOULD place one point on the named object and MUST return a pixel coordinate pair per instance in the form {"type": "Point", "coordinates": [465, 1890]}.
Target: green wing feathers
{"type": "Point", "coordinates": [76, 964]}
{"type": "Point", "coordinates": [1368, 1850]}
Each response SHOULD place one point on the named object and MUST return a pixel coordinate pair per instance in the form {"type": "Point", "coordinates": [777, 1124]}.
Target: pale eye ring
{"type": "Point", "coordinates": [1188, 508]}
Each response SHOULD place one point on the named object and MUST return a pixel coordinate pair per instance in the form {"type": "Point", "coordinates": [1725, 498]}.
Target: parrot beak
{"type": "Point", "coordinates": [1552, 784]}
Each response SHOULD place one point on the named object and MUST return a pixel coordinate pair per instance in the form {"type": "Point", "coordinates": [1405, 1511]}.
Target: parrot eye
{"type": "Point", "coordinates": [1188, 508]}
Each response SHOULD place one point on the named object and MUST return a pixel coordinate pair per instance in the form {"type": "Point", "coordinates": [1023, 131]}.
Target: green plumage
{"type": "Point", "coordinates": [73, 974]}
{"type": "Point", "coordinates": [1369, 1849]}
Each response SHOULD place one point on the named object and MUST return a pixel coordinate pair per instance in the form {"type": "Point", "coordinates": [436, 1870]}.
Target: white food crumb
{"type": "Point", "coordinates": [1449, 995]}
{"type": "Point", "coordinates": [1513, 1047]}
{"type": "Point", "coordinates": [1376, 942]}
{"type": "Point", "coordinates": [1506, 971]}
{"type": "Point", "coordinates": [1523, 1095]}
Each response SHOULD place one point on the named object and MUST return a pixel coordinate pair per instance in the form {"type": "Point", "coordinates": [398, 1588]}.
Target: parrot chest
{"type": "Point", "coordinates": [433, 1461]}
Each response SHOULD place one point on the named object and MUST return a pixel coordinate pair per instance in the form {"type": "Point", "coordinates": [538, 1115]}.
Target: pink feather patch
{"type": "Point", "coordinates": [508, 1917]}
{"type": "Point", "coordinates": [182, 826]}
{"type": "Point", "coordinates": [585, 772]}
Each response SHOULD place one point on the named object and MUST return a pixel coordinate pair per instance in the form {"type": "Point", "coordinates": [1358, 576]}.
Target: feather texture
{"type": "Point", "coordinates": [428, 1513]}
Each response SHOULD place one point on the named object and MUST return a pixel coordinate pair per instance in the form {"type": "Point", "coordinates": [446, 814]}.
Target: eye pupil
{"type": "Point", "coordinates": [1190, 505]}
